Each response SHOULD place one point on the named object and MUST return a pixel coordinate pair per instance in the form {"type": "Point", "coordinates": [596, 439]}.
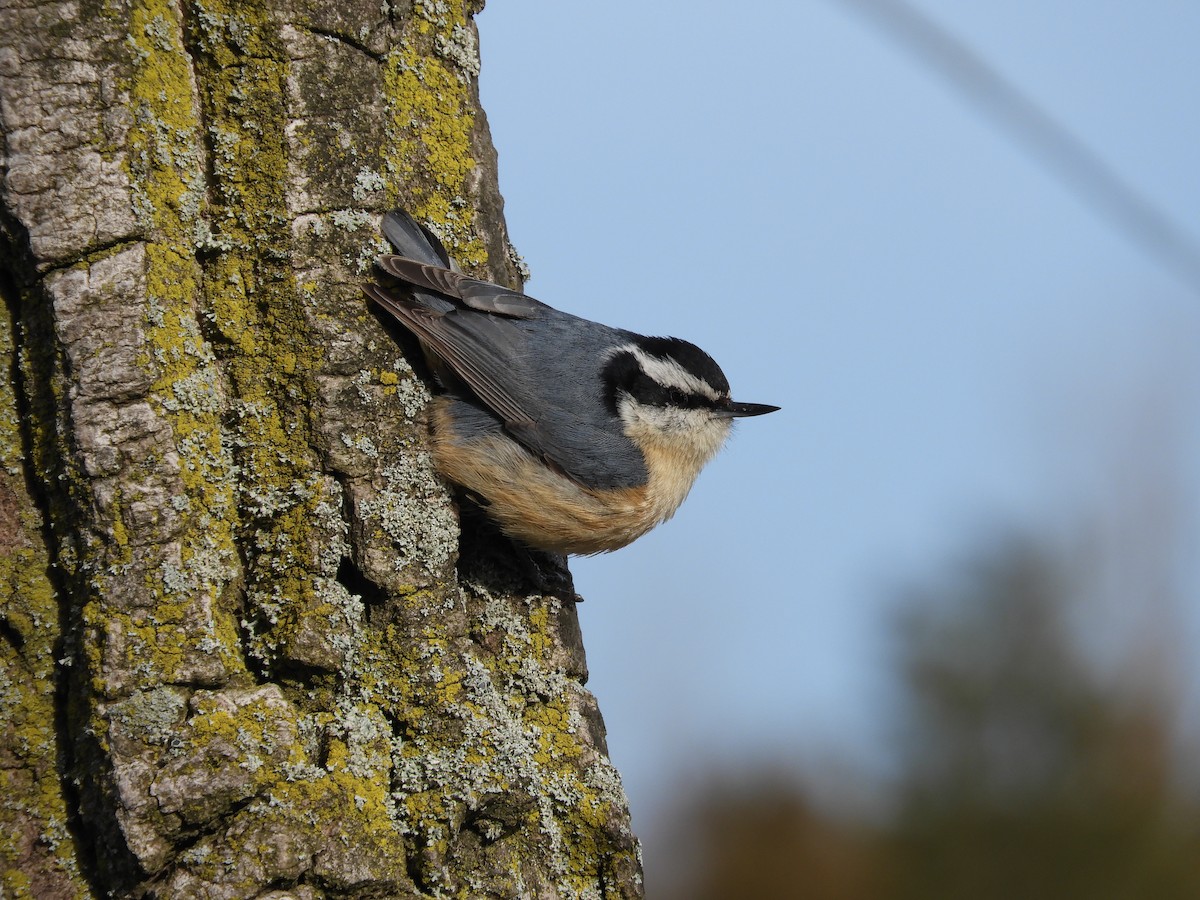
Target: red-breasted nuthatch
{"type": "Point", "coordinates": [575, 437]}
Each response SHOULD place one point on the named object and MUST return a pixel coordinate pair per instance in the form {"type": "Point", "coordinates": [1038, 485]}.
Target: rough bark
{"type": "Point", "coordinates": [246, 651]}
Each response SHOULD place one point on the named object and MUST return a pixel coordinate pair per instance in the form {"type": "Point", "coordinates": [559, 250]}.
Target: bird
{"type": "Point", "coordinates": [575, 438]}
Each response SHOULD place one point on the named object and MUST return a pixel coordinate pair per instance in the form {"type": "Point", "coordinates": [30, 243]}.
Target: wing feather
{"type": "Point", "coordinates": [479, 349]}
{"type": "Point", "coordinates": [475, 293]}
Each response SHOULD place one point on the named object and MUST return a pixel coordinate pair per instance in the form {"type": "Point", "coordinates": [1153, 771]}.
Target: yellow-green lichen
{"type": "Point", "coordinates": [249, 478]}
{"type": "Point", "coordinates": [38, 851]}
{"type": "Point", "coordinates": [167, 176]}
{"type": "Point", "coordinates": [164, 160]}
{"type": "Point", "coordinates": [253, 296]}
{"type": "Point", "coordinates": [289, 799]}
{"type": "Point", "coordinates": [476, 725]}
{"type": "Point", "coordinates": [251, 474]}
{"type": "Point", "coordinates": [431, 118]}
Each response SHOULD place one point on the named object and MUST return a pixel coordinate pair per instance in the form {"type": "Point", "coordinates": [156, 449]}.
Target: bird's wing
{"type": "Point", "coordinates": [480, 349]}
{"type": "Point", "coordinates": [475, 293]}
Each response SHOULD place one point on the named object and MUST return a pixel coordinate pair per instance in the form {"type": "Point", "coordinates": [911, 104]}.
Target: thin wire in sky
{"type": "Point", "coordinates": [1065, 155]}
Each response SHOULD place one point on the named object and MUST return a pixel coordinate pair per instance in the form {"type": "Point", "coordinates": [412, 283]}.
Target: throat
{"type": "Point", "coordinates": [674, 463]}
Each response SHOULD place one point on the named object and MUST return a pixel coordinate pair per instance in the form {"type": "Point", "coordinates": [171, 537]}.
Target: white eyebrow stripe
{"type": "Point", "coordinates": [669, 373]}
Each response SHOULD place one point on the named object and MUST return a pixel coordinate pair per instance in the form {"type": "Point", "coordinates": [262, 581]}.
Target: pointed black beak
{"type": "Point", "coordinates": [741, 410]}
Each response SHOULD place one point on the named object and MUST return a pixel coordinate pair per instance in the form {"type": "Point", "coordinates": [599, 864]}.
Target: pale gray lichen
{"type": "Point", "coordinates": [199, 392]}
{"type": "Point", "coordinates": [351, 219]}
{"type": "Point", "coordinates": [411, 393]}
{"type": "Point", "coordinates": [517, 261]}
{"type": "Point", "coordinates": [367, 182]}
{"type": "Point", "coordinates": [461, 49]}
{"type": "Point", "coordinates": [361, 382]}
{"type": "Point", "coordinates": [153, 715]}
{"type": "Point", "coordinates": [362, 444]}
{"type": "Point", "coordinates": [432, 11]}
{"type": "Point", "coordinates": [414, 510]}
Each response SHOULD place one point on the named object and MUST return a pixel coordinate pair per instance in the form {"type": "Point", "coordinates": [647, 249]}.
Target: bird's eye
{"type": "Point", "coordinates": [650, 392]}
{"type": "Point", "coordinates": [682, 399]}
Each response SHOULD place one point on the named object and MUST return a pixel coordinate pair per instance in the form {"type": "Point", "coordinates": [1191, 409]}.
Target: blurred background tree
{"type": "Point", "coordinates": [1027, 765]}
{"type": "Point", "coordinates": [1026, 771]}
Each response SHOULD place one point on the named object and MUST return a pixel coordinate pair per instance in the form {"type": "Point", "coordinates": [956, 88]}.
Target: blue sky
{"type": "Point", "coordinates": [958, 341]}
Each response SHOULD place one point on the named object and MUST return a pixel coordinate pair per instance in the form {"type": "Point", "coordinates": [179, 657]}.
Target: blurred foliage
{"type": "Point", "coordinates": [1025, 770]}
{"type": "Point", "coordinates": [762, 839]}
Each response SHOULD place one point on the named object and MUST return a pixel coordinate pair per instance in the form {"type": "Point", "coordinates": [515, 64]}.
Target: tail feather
{"type": "Point", "coordinates": [414, 240]}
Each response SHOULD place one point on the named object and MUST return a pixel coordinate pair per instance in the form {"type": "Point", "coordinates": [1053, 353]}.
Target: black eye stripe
{"type": "Point", "coordinates": [686, 400]}
{"type": "Point", "coordinates": [624, 375]}
{"type": "Point", "coordinates": [622, 370]}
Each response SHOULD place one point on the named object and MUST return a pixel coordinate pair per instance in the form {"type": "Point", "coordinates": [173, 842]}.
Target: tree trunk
{"type": "Point", "coordinates": [246, 652]}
